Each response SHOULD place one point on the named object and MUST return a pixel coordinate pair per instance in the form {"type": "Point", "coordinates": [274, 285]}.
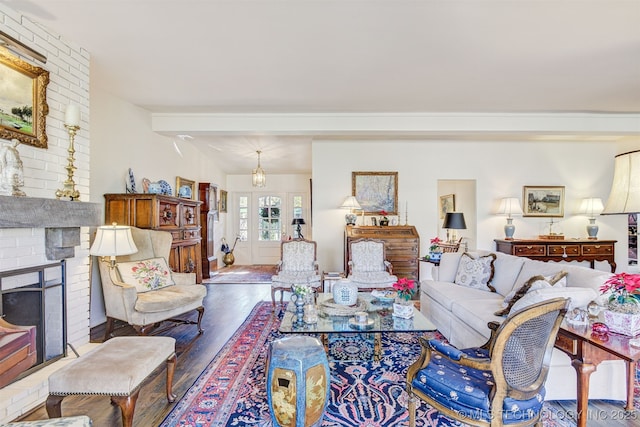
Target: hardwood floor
{"type": "Point", "coordinates": [226, 307]}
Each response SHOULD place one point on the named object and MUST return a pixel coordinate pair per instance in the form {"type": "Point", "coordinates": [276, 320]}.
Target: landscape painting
{"type": "Point", "coordinates": [376, 191]}
{"type": "Point", "coordinates": [543, 201]}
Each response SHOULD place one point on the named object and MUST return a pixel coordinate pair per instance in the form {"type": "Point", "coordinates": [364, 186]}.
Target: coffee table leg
{"type": "Point", "coordinates": [377, 346]}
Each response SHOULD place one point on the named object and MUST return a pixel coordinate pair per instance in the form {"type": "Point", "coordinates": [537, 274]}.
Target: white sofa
{"type": "Point", "coordinates": [461, 314]}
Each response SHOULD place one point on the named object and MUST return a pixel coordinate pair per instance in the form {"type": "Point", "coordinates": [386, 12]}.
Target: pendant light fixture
{"type": "Point", "coordinates": [258, 175]}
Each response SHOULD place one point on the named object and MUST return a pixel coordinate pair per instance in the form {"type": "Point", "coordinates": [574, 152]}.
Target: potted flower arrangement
{"type": "Point", "coordinates": [405, 288]}
{"type": "Point", "coordinates": [435, 253]}
{"type": "Point", "coordinates": [622, 313]}
{"type": "Point", "coordinates": [385, 219]}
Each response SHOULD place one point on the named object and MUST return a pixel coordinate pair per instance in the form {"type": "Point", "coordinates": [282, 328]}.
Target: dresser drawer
{"type": "Point", "coordinates": [596, 249]}
{"type": "Point", "coordinates": [167, 214]}
{"type": "Point", "coordinates": [529, 250]}
{"type": "Point", "coordinates": [560, 250]}
{"type": "Point", "coordinates": [567, 344]}
{"type": "Point", "coordinates": [190, 234]}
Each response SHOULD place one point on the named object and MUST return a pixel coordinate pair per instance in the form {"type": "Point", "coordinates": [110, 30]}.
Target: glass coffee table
{"type": "Point", "coordinates": [341, 320]}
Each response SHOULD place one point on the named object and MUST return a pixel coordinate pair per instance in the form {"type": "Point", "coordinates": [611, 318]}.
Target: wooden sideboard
{"type": "Point", "coordinates": [401, 244]}
{"type": "Point", "coordinates": [561, 250]}
{"type": "Point", "coordinates": [178, 216]}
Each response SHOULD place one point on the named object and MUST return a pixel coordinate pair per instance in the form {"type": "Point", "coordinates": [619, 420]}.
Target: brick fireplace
{"type": "Point", "coordinates": [47, 232]}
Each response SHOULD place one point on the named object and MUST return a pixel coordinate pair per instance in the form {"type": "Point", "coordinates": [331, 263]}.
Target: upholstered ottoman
{"type": "Point", "coordinates": [116, 368]}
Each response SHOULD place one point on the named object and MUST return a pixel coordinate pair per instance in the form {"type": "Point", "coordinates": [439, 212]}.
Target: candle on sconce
{"type": "Point", "coordinates": [72, 115]}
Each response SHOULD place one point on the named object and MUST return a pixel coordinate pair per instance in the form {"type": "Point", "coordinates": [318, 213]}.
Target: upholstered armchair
{"type": "Point", "coordinates": [501, 383]}
{"type": "Point", "coordinates": [297, 265]}
{"type": "Point", "coordinates": [368, 266]}
{"type": "Point", "coordinates": [131, 297]}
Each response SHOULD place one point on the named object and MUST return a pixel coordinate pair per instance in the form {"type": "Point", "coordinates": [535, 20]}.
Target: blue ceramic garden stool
{"type": "Point", "coordinates": [297, 381]}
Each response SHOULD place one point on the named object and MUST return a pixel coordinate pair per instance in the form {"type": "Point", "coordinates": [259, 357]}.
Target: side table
{"type": "Point", "coordinates": [330, 278]}
{"type": "Point", "coordinates": [586, 352]}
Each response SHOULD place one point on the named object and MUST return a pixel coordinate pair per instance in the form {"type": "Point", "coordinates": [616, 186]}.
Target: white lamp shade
{"type": "Point", "coordinates": [113, 240]}
{"type": "Point", "coordinates": [625, 190]}
{"type": "Point", "coordinates": [351, 203]}
{"type": "Point", "coordinates": [591, 207]}
{"type": "Point", "coordinates": [509, 206]}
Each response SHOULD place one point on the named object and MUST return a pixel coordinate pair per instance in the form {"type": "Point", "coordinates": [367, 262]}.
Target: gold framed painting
{"type": "Point", "coordinates": [23, 101]}
{"type": "Point", "coordinates": [447, 204]}
{"type": "Point", "coordinates": [543, 201]}
{"type": "Point", "coordinates": [376, 191]}
{"type": "Point", "coordinates": [185, 188]}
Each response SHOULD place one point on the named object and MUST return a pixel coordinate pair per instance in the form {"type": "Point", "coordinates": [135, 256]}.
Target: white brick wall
{"type": "Point", "coordinates": [44, 173]}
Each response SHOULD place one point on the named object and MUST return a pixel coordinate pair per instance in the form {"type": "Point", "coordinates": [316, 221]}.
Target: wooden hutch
{"type": "Point", "coordinates": [179, 216]}
{"type": "Point", "coordinates": [401, 244]}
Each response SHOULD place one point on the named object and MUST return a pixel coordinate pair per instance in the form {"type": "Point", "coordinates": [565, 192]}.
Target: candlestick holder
{"type": "Point", "coordinates": [68, 191]}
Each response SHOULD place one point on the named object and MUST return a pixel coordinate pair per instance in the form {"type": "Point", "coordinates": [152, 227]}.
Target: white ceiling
{"type": "Point", "coordinates": [370, 56]}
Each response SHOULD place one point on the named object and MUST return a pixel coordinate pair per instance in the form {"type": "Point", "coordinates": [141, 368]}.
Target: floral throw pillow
{"type": "Point", "coordinates": [146, 275]}
{"type": "Point", "coordinates": [476, 272]}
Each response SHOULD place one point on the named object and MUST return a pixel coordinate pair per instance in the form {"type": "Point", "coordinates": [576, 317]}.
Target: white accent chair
{"type": "Point", "coordinates": [297, 265]}
{"type": "Point", "coordinates": [368, 267]}
{"type": "Point", "coordinates": [146, 310]}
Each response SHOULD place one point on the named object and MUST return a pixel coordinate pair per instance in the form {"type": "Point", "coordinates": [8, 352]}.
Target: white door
{"type": "Point", "coordinates": [263, 221]}
{"type": "Point", "coordinates": [268, 217]}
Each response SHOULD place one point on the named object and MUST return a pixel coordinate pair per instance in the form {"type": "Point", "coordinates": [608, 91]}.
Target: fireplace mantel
{"type": "Point", "coordinates": [61, 220]}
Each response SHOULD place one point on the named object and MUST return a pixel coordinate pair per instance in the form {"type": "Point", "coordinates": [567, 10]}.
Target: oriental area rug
{"type": "Point", "coordinates": [260, 273]}
{"type": "Point", "coordinates": [231, 390]}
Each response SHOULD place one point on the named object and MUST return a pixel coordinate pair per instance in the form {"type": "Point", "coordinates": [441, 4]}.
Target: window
{"type": "Point", "coordinates": [269, 222]}
{"type": "Point", "coordinates": [243, 218]}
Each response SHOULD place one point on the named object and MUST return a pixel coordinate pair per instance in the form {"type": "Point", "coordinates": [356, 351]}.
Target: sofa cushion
{"type": "Point", "coordinates": [447, 293]}
{"type": "Point", "coordinates": [476, 272]}
{"type": "Point", "coordinates": [507, 268]}
{"type": "Point", "coordinates": [448, 266]}
{"type": "Point", "coordinates": [147, 274]}
{"type": "Point", "coordinates": [478, 312]}
{"type": "Point", "coordinates": [534, 283]}
{"type": "Point", "coordinates": [168, 298]}
{"type": "Point", "coordinates": [580, 297]}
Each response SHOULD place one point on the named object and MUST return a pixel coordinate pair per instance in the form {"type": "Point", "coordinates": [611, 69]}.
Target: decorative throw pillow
{"type": "Point", "coordinates": [146, 275]}
{"type": "Point", "coordinates": [534, 283]}
{"type": "Point", "coordinates": [476, 272]}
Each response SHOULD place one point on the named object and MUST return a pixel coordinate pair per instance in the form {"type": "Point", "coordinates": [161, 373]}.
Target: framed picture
{"type": "Point", "coordinates": [447, 204]}
{"type": "Point", "coordinates": [376, 191]}
{"type": "Point", "coordinates": [543, 201]}
{"type": "Point", "coordinates": [223, 201]}
{"type": "Point", "coordinates": [23, 101]}
{"type": "Point", "coordinates": [185, 188]}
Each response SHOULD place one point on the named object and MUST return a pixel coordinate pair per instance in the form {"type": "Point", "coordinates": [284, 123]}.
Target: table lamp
{"type": "Point", "coordinates": [453, 221]}
{"type": "Point", "coordinates": [352, 204]}
{"type": "Point", "coordinates": [112, 241]}
{"type": "Point", "coordinates": [509, 206]}
{"type": "Point", "coordinates": [298, 222]}
{"type": "Point", "coordinates": [591, 207]}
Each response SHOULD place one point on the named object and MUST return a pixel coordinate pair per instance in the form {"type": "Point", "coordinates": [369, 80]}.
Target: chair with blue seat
{"type": "Point", "coordinates": [500, 383]}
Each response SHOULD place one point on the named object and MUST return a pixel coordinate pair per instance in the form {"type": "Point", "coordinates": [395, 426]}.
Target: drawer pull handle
{"type": "Point", "coordinates": [529, 247]}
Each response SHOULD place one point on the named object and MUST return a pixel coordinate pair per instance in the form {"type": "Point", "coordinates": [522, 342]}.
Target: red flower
{"type": "Point", "coordinates": [623, 287]}
{"type": "Point", "coordinates": [405, 287]}
{"type": "Point", "coordinates": [384, 213]}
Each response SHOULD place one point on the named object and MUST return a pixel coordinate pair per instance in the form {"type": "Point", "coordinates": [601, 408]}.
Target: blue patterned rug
{"type": "Point", "coordinates": [231, 390]}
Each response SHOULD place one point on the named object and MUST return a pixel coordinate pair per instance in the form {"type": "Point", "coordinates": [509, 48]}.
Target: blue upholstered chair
{"type": "Point", "coordinates": [501, 383]}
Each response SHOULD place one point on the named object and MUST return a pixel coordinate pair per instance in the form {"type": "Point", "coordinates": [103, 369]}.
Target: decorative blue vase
{"type": "Point", "coordinates": [298, 381]}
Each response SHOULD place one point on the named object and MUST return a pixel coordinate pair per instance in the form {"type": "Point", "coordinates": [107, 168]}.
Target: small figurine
{"type": "Point", "coordinates": [11, 175]}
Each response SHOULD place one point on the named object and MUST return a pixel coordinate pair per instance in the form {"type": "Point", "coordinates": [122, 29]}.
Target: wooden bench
{"type": "Point", "coordinates": [116, 368]}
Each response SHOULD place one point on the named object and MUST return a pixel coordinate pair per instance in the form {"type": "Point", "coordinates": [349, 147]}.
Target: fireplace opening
{"type": "Point", "coordinates": [32, 298]}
